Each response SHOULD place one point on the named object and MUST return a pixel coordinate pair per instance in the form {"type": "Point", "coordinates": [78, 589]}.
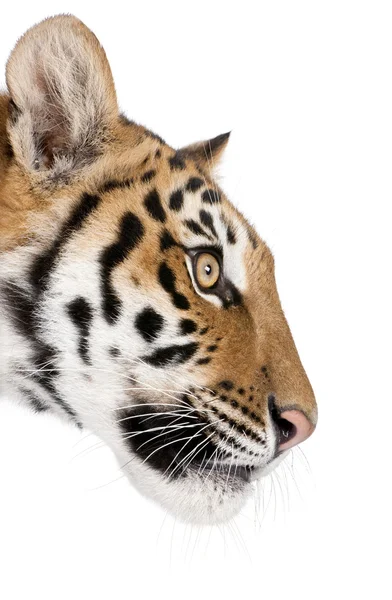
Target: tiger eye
{"type": "Point", "coordinates": [207, 270]}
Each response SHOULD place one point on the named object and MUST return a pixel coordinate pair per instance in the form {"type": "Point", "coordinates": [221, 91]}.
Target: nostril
{"type": "Point", "coordinates": [286, 430]}
{"type": "Point", "coordinates": [292, 426]}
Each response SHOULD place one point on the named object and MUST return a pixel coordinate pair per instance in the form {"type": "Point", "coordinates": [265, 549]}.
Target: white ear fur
{"type": "Point", "coordinates": [63, 99]}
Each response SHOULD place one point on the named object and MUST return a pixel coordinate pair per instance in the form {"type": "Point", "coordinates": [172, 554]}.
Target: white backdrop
{"type": "Point", "coordinates": [306, 89]}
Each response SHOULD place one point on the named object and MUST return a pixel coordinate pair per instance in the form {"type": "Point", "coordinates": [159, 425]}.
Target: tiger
{"type": "Point", "coordinates": [136, 301]}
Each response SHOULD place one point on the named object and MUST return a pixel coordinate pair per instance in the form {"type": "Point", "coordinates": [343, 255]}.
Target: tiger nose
{"type": "Point", "coordinates": [292, 426]}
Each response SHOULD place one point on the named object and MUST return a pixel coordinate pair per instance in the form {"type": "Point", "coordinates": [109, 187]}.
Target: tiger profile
{"type": "Point", "coordinates": [135, 300]}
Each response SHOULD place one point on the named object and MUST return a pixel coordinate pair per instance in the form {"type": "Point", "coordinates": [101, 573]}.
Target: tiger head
{"type": "Point", "coordinates": [136, 301]}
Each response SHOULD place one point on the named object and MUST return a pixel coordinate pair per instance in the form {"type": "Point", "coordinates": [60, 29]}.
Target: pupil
{"type": "Point", "coordinates": [208, 269]}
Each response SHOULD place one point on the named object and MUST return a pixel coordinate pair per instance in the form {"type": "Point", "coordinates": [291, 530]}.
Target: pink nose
{"type": "Point", "coordinates": [294, 428]}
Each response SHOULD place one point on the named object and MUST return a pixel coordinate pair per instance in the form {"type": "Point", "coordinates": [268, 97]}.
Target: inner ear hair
{"type": "Point", "coordinates": [63, 102]}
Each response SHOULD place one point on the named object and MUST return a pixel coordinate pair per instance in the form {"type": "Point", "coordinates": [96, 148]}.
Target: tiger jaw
{"type": "Point", "coordinates": [201, 471]}
{"type": "Point", "coordinates": [202, 493]}
{"type": "Point", "coordinates": [207, 499]}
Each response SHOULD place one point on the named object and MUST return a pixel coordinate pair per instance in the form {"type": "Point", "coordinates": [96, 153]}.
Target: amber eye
{"type": "Point", "coordinates": [207, 270]}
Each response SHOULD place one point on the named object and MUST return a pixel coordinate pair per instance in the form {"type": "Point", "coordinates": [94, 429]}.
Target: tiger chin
{"type": "Point", "coordinates": [135, 300]}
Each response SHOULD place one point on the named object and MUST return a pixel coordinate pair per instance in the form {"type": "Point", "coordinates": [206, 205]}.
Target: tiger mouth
{"type": "Point", "coordinates": [228, 473]}
{"type": "Point", "coordinates": [173, 452]}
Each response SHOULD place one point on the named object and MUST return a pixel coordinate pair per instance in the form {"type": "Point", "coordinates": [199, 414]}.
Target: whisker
{"type": "Point", "coordinates": [174, 459]}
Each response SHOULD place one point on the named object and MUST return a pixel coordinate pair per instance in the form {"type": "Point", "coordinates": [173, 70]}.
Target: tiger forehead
{"type": "Point", "coordinates": [177, 204]}
{"type": "Point", "coordinates": [166, 189]}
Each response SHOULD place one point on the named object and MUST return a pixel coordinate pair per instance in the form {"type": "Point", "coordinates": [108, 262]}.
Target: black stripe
{"type": "Point", "coordinates": [167, 280]}
{"type": "Point", "coordinates": [253, 239]}
{"type": "Point", "coordinates": [45, 374]}
{"type": "Point", "coordinates": [113, 184]}
{"type": "Point", "coordinates": [230, 234]}
{"type": "Point", "coordinates": [211, 196]}
{"type": "Point", "coordinates": [176, 200]}
{"type": "Point", "coordinates": [35, 401]}
{"type": "Point", "coordinates": [114, 352]}
{"type": "Point", "coordinates": [148, 176]}
{"type": "Point", "coordinates": [195, 228]}
{"type": "Point", "coordinates": [22, 311]}
{"type": "Point", "coordinates": [208, 221]}
{"type": "Point", "coordinates": [226, 385]}
{"type": "Point", "coordinates": [204, 361]}
{"type": "Point", "coordinates": [187, 326]}
{"type": "Point", "coordinates": [226, 437]}
{"type": "Point", "coordinates": [167, 241]}
{"type": "Point", "coordinates": [154, 207]}
{"type": "Point", "coordinates": [46, 262]}
{"type": "Point", "coordinates": [81, 314]}
{"type": "Point", "coordinates": [130, 234]}
{"type": "Point", "coordinates": [149, 324]}
{"type": "Point", "coordinates": [194, 184]}
{"type": "Point", "coordinates": [175, 354]}
{"type": "Point", "coordinates": [243, 429]}
{"type": "Point", "coordinates": [176, 162]}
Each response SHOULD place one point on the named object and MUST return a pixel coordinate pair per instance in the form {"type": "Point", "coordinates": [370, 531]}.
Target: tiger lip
{"type": "Point", "coordinates": [240, 472]}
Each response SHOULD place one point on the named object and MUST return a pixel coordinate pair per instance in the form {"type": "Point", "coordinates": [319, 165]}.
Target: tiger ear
{"type": "Point", "coordinates": [63, 102]}
{"type": "Point", "coordinates": [207, 154]}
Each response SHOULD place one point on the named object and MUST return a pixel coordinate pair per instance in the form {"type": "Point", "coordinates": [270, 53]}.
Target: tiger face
{"type": "Point", "coordinates": [136, 301]}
